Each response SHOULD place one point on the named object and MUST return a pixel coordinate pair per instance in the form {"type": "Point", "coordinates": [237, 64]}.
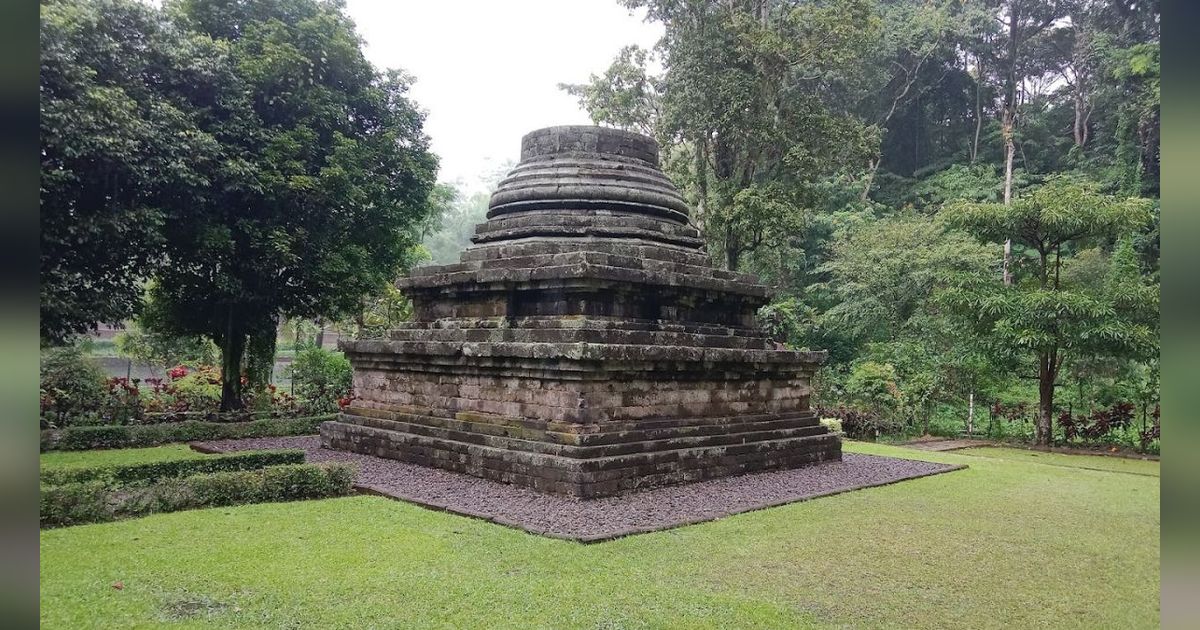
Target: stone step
{"type": "Point", "coordinates": [582, 478]}
{"type": "Point", "coordinates": [734, 436]}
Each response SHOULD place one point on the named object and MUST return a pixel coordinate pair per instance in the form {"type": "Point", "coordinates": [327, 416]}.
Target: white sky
{"type": "Point", "coordinates": [487, 71]}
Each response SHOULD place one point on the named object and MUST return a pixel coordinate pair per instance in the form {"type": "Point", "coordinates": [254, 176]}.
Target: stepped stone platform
{"type": "Point", "coordinates": [584, 345]}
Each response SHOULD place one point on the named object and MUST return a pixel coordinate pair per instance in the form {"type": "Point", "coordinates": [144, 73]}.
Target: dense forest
{"type": "Point", "coordinates": [957, 199]}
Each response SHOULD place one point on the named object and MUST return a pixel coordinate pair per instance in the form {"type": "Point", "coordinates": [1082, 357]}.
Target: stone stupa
{"type": "Point", "coordinates": [584, 345]}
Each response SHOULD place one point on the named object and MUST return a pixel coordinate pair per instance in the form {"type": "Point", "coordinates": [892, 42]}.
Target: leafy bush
{"type": "Point", "coordinates": [74, 503]}
{"type": "Point", "coordinates": [833, 424]}
{"type": "Point", "coordinates": [196, 390]}
{"type": "Point", "coordinates": [72, 386]}
{"type": "Point", "coordinates": [873, 386]}
{"type": "Point", "coordinates": [91, 502]}
{"type": "Point", "coordinates": [130, 436]}
{"type": "Point", "coordinates": [122, 475]}
{"type": "Point", "coordinates": [322, 379]}
{"type": "Point", "coordinates": [859, 423]}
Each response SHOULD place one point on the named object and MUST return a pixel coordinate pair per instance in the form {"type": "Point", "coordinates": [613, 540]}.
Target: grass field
{"type": "Point", "coordinates": [1009, 542]}
{"type": "Point", "coordinates": [117, 456]}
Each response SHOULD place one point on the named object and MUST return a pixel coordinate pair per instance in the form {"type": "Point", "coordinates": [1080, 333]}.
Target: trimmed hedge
{"type": "Point", "coordinates": [133, 436]}
{"type": "Point", "coordinates": [92, 502]}
{"type": "Point", "coordinates": [127, 474]}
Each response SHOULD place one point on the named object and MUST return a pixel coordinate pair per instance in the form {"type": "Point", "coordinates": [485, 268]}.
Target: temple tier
{"type": "Point", "coordinates": [584, 345]}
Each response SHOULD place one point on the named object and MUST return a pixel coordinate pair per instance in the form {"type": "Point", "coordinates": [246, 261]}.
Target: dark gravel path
{"type": "Point", "coordinates": [607, 518]}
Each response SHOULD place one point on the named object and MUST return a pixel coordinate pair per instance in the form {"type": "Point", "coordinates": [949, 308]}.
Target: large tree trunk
{"type": "Point", "coordinates": [872, 167]}
{"type": "Point", "coordinates": [733, 251]}
{"type": "Point", "coordinates": [1009, 150]}
{"type": "Point", "coordinates": [1047, 374]}
{"type": "Point", "coordinates": [233, 347]}
{"type": "Point", "coordinates": [1080, 126]}
{"type": "Point", "coordinates": [978, 106]}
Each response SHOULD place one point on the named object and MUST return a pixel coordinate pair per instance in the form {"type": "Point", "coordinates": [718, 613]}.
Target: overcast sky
{"type": "Point", "coordinates": [487, 71]}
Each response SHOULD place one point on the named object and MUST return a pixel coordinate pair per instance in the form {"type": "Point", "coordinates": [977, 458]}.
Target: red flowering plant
{"type": "Point", "coordinates": [123, 401]}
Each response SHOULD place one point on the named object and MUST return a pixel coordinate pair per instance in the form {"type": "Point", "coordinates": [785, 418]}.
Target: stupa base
{"type": "Point", "coordinates": [652, 454]}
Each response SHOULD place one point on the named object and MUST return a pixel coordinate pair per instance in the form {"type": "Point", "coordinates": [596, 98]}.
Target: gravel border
{"type": "Point", "coordinates": [607, 518]}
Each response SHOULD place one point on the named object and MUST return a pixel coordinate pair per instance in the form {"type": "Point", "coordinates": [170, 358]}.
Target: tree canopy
{"type": "Point", "coordinates": [872, 158]}
{"type": "Point", "coordinates": [305, 172]}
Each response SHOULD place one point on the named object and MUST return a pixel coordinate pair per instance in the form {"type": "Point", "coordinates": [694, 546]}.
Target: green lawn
{"type": "Point", "coordinates": [1099, 462]}
{"type": "Point", "coordinates": [1009, 542]}
{"type": "Point", "coordinates": [117, 456]}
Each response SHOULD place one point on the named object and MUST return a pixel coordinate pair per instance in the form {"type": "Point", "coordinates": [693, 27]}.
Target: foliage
{"type": "Point", "coordinates": [157, 350]}
{"type": "Point", "coordinates": [1041, 314]}
{"type": "Point", "coordinates": [71, 385]}
{"type": "Point", "coordinates": [113, 476]}
{"type": "Point", "coordinates": [884, 273]}
{"type": "Point", "coordinates": [89, 502]}
{"type": "Point", "coordinates": [114, 148]}
{"type": "Point", "coordinates": [76, 438]}
{"type": "Point", "coordinates": [322, 378]}
{"type": "Point", "coordinates": [857, 422]}
{"type": "Point", "coordinates": [624, 97]}
{"type": "Point", "coordinates": [383, 313]}
{"type": "Point", "coordinates": [873, 385]}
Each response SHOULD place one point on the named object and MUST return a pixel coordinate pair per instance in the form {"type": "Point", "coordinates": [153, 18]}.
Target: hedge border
{"type": "Point", "coordinates": [84, 438]}
{"type": "Point", "coordinates": [116, 475]}
{"type": "Point", "coordinates": [92, 502]}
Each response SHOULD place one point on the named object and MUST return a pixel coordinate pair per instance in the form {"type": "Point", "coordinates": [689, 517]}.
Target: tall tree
{"type": "Point", "coordinates": [1022, 21]}
{"type": "Point", "coordinates": [1043, 312]}
{"type": "Point", "coordinates": [322, 185]}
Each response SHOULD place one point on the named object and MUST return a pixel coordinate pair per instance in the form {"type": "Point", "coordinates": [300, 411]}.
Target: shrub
{"type": "Point", "coordinates": [859, 423]}
{"type": "Point", "coordinates": [74, 503]}
{"type": "Point", "coordinates": [72, 386]}
{"type": "Point", "coordinates": [91, 502]}
{"type": "Point", "coordinates": [196, 390]}
{"type": "Point", "coordinates": [833, 424]}
{"type": "Point", "coordinates": [92, 437]}
{"type": "Point", "coordinates": [873, 386]}
{"type": "Point", "coordinates": [121, 475]}
{"type": "Point", "coordinates": [321, 378]}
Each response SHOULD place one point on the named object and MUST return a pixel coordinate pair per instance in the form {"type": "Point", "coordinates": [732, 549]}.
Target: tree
{"type": "Point", "coordinates": [1042, 312]}
{"type": "Point", "coordinates": [113, 147]}
{"type": "Point", "coordinates": [912, 35]}
{"type": "Point", "coordinates": [322, 184]}
{"type": "Point", "coordinates": [755, 94]}
{"type": "Point", "coordinates": [1022, 22]}
{"type": "Point", "coordinates": [625, 96]}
